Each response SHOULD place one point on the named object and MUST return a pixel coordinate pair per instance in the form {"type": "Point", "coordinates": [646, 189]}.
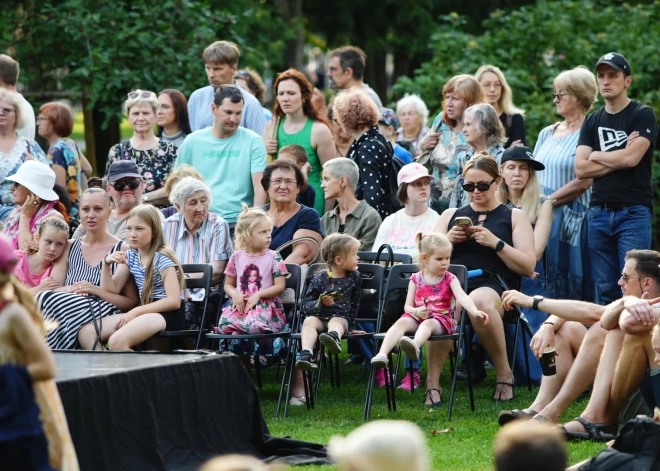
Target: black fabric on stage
{"type": "Point", "coordinates": [145, 411]}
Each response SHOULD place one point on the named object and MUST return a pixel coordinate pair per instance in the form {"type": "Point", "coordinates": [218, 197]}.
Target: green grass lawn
{"type": "Point", "coordinates": [466, 447]}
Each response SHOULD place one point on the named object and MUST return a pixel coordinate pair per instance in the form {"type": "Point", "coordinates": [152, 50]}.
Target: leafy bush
{"type": "Point", "coordinates": [533, 44]}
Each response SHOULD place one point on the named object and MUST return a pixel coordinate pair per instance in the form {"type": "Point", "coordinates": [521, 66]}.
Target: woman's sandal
{"type": "Point", "coordinates": [297, 401]}
{"type": "Point", "coordinates": [594, 431]}
{"type": "Point", "coordinates": [501, 390]}
{"type": "Point", "coordinates": [507, 416]}
{"type": "Point", "coordinates": [433, 404]}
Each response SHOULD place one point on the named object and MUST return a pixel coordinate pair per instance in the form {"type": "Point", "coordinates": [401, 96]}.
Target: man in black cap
{"type": "Point", "coordinates": [615, 149]}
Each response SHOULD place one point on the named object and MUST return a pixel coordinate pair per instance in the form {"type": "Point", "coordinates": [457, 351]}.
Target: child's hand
{"type": "Point", "coordinates": [116, 257]}
{"type": "Point", "coordinates": [306, 168]}
{"type": "Point", "coordinates": [252, 301]}
{"type": "Point", "coordinates": [239, 304]}
{"type": "Point", "coordinates": [482, 316]}
{"type": "Point", "coordinates": [271, 147]}
{"type": "Point", "coordinates": [125, 319]}
{"type": "Point", "coordinates": [327, 300]}
{"type": "Point", "coordinates": [48, 283]}
{"type": "Point", "coordinates": [422, 313]}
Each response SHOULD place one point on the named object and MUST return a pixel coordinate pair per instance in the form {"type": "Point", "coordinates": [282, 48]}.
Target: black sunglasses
{"type": "Point", "coordinates": [481, 186]}
{"type": "Point", "coordinates": [132, 184]}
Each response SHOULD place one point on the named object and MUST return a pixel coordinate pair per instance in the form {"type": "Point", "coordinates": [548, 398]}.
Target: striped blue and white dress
{"type": "Point", "coordinates": [72, 311]}
{"type": "Point", "coordinates": [568, 270]}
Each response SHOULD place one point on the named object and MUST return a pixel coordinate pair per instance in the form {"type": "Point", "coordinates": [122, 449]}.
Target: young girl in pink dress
{"type": "Point", "coordinates": [34, 265]}
{"type": "Point", "coordinates": [428, 309]}
{"type": "Point", "coordinates": [255, 278]}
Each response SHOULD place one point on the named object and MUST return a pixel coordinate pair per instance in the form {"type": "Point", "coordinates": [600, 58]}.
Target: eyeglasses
{"type": "Point", "coordinates": [558, 95]}
{"type": "Point", "coordinates": [279, 181]}
{"type": "Point", "coordinates": [134, 95]}
{"type": "Point", "coordinates": [481, 186]}
{"type": "Point", "coordinates": [6, 111]}
{"type": "Point", "coordinates": [132, 184]}
{"type": "Point", "coordinates": [628, 277]}
{"type": "Point", "coordinates": [41, 118]}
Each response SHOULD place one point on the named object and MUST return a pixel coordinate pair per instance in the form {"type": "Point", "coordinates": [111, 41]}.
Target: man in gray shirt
{"type": "Point", "coordinates": [346, 70]}
{"type": "Point", "coordinates": [221, 61]}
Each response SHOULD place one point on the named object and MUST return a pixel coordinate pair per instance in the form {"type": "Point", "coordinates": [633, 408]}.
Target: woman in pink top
{"type": "Point", "coordinates": [33, 266]}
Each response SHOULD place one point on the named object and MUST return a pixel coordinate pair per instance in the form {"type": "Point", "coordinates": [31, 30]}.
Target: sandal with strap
{"type": "Point", "coordinates": [501, 390]}
{"type": "Point", "coordinates": [595, 431]}
{"type": "Point", "coordinates": [507, 416]}
{"type": "Point", "coordinates": [433, 404]}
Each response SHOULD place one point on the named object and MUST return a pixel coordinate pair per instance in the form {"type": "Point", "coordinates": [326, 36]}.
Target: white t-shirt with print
{"type": "Point", "coordinates": [400, 230]}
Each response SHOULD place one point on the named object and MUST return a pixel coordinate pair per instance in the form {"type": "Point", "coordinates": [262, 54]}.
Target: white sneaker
{"type": "Point", "coordinates": [410, 348]}
{"type": "Point", "coordinates": [379, 361]}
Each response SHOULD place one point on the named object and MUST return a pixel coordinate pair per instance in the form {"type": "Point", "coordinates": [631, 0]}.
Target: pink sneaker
{"type": "Point", "coordinates": [405, 384]}
{"type": "Point", "coordinates": [380, 377]}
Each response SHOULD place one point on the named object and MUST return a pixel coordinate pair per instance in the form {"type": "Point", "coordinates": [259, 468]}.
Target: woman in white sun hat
{"type": "Point", "coordinates": [35, 199]}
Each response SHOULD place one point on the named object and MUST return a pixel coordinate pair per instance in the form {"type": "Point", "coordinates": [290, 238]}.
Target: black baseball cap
{"type": "Point", "coordinates": [123, 169]}
{"type": "Point", "coordinates": [522, 153]}
{"type": "Point", "coordinates": [616, 61]}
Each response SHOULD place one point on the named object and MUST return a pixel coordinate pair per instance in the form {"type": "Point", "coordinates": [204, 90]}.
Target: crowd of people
{"type": "Point", "coordinates": [220, 179]}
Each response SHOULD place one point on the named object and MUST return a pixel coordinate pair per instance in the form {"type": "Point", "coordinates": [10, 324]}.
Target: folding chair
{"type": "Point", "coordinates": [399, 279]}
{"type": "Point", "coordinates": [199, 282]}
{"type": "Point", "coordinates": [293, 282]}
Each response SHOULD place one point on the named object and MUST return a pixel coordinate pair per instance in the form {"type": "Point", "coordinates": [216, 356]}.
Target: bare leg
{"type": "Point", "coordinates": [568, 339]}
{"type": "Point", "coordinates": [138, 330]}
{"type": "Point", "coordinates": [580, 376]}
{"type": "Point", "coordinates": [336, 324]}
{"type": "Point", "coordinates": [394, 334]}
{"type": "Point", "coordinates": [596, 410]}
{"type": "Point", "coordinates": [310, 331]}
{"type": "Point", "coordinates": [87, 334]}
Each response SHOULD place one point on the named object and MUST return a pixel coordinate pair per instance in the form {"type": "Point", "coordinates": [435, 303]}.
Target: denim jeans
{"type": "Point", "coordinates": [612, 233]}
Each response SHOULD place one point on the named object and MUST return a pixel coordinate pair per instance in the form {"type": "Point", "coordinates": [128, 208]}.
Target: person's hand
{"type": "Point", "coordinates": [535, 276]}
{"type": "Point", "coordinates": [238, 301]}
{"type": "Point", "coordinates": [430, 141]}
{"type": "Point", "coordinates": [271, 147]}
{"type": "Point", "coordinates": [543, 337]}
{"type": "Point", "coordinates": [457, 235]}
{"type": "Point", "coordinates": [306, 168]}
{"type": "Point", "coordinates": [115, 257]}
{"type": "Point", "coordinates": [252, 301]}
{"type": "Point", "coordinates": [84, 288]}
{"type": "Point", "coordinates": [517, 142]}
{"type": "Point", "coordinates": [30, 206]}
{"type": "Point", "coordinates": [125, 319]}
{"type": "Point", "coordinates": [422, 313]}
{"type": "Point", "coordinates": [356, 332]}
{"type": "Point", "coordinates": [632, 138]}
{"type": "Point", "coordinates": [327, 300]}
{"type": "Point", "coordinates": [483, 236]}
{"type": "Point", "coordinates": [513, 298]}
{"type": "Point", "coordinates": [482, 316]}
{"type": "Point", "coordinates": [641, 310]}
{"type": "Point", "coordinates": [48, 283]}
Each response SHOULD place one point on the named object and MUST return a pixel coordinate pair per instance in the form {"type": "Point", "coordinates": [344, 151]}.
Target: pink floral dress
{"type": "Point", "coordinates": [254, 273]}
{"type": "Point", "coordinates": [438, 298]}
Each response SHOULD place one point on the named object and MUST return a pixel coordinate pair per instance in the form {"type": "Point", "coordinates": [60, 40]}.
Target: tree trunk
{"type": "Point", "coordinates": [102, 139]}
{"type": "Point", "coordinates": [294, 51]}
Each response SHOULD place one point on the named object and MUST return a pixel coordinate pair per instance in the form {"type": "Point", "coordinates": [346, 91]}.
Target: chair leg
{"type": "Point", "coordinates": [529, 376]}
{"type": "Point", "coordinates": [337, 371]}
{"type": "Point", "coordinates": [453, 380]}
{"type": "Point", "coordinates": [468, 349]}
{"type": "Point", "coordinates": [288, 363]}
{"type": "Point", "coordinates": [331, 366]}
{"type": "Point", "coordinates": [292, 367]}
{"type": "Point", "coordinates": [257, 364]}
{"type": "Point", "coordinates": [369, 395]}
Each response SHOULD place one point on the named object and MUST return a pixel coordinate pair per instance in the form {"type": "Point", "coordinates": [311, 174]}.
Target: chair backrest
{"type": "Point", "coordinates": [204, 281]}
{"type": "Point", "coordinates": [460, 272]}
{"type": "Point", "coordinates": [373, 277]}
{"type": "Point", "coordinates": [371, 257]}
{"type": "Point", "coordinates": [293, 293]}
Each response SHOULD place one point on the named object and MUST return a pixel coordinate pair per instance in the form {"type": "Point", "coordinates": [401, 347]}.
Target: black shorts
{"type": "Point", "coordinates": [174, 320]}
{"type": "Point", "coordinates": [485, 282]}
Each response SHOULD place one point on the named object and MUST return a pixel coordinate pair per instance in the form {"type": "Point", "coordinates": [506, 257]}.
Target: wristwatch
{"type": "Point", "coordinates": [537, 299]}
{"type": "Point", "coordinates": [500, 245]}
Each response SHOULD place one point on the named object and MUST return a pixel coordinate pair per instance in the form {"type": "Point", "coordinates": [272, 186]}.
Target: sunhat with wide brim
{"type": "Point", "coordinates": [36, 177]}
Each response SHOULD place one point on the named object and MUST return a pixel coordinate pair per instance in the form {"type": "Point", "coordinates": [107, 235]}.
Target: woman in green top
{"type": "Point", "coordinates": [297, 121]}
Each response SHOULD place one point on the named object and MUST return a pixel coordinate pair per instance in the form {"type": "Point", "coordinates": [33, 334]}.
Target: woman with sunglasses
{"type": "Point", "coordinates": [14, 149]}
{"type": "Point", "coordinates": [154, 157]}
{"type": "Point", "coordinates": [496, 239]}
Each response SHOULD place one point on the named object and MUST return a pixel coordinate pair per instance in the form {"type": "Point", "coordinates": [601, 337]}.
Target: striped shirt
{"type": "Point", "coordinates": [211, 242]}
{"type": "Point", "coordinates": [200, 115]}
{"type": "Point", "coordinates": [161, 262]}
{"type": "Point", "coordinates": [558, 156]}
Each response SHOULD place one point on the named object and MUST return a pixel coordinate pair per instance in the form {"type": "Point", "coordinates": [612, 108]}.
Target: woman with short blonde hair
{"type": "Point", "coordinates": [413, 115]}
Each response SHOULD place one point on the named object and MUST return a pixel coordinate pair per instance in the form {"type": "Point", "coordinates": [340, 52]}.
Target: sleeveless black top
{"type": "Point", "coordinates": [474, 256]}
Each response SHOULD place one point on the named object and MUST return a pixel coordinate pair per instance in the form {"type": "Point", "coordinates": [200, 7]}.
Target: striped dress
{"type": "Point", "coordinates": [70, 310]}
{"type": "Point", "coordinates": [568, 270]}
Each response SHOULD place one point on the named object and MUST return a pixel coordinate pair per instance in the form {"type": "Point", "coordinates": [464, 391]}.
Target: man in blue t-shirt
{"type": "Point", "coordinates": [615, 149]}
{"type": "Point", "coordinates": [230, 157]}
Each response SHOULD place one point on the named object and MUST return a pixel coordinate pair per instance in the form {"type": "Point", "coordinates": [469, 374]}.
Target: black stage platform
{"type": "Point", "coordinates": [151, 411]}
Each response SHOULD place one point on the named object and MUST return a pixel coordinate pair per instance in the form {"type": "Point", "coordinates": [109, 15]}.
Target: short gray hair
{"type": "Point", "coordinates": [187, 187]}
{"type": "Point", "coordinates": [343, 167]}
{"type": "Point", "coordinates": [416, 102]}
{"type": "Point", "coordinates": [488, 122]}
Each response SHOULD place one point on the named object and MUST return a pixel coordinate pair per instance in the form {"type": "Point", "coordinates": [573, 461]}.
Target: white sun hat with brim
{"type": "Point", "coordinates": [382, 445]}
{"type": "Point", "coordinates": [37, 177]}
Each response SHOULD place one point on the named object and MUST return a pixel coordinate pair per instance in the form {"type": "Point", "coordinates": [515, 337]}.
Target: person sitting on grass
{"type": "Point", "coordinates": [332, 298]}
{"type": "Point", "coordinates": [428, 309]}
{"type": "Point", "coordinates": [298, 155]}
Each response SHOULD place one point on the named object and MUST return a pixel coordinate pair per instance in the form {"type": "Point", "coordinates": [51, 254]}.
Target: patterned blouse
{"type": "Point", "coordinates": [155, 164]}
{"type": "Point", "coordinates": [66, 154]}
{"type": "Point", "coordinates": [346, 293]}
{"type": "Point", "coordinates": [10, 162]}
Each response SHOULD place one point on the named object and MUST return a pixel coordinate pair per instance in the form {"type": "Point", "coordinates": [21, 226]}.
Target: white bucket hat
{"type": "Point", "coordinates": [36, 177]}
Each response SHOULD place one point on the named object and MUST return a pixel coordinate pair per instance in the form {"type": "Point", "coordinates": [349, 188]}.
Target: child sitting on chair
{"type": "Point", "coordinates": [428, 309]}
{"type": "Point", "coordinates": [332, 298]}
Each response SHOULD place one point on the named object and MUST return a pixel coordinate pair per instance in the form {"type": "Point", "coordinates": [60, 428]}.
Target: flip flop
{"type": "Point", "coordinates": [433, 404]}
{"type": "Point", "coordinates": [499, 395]}
{"type": "Point", "coordinates": [594, 431]}
{"type": "Point", "coordinates": [507, 416]}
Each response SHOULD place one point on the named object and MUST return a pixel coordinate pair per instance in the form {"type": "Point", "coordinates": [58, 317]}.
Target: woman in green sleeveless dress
{"type": "Point", "coordinates": [297, 121]}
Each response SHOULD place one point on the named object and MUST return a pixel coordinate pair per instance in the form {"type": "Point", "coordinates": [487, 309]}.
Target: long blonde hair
{"type": "Point", "coordinates": [531, 197]}
{"type": "Point", "coordinates": [248, 221]}
{"type": "Point", "coordinates": [506, 97]}
{"type": "Point", "coordinates": [23, 297]}
{"type": "Point", "coordinates": [151, 217]}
